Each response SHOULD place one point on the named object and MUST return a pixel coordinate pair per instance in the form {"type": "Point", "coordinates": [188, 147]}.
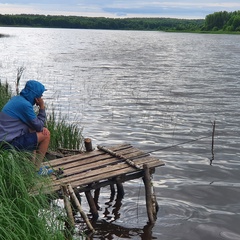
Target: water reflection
{"type": "Point", "coordinates": [110, 228]}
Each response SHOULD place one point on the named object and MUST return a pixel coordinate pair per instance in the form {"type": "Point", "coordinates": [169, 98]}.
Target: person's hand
{"type": "Point", "coordinates": [46, 132]}
{"type": "Point", "coordinates": [39, 102]}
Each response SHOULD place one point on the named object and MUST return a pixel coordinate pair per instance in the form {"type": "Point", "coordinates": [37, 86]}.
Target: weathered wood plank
{"type": "Point", "coordinates": [98, 175]}
{"type": "Point", "coordinates": [80, 169]}
{"type": "Point", "coordinates": [95, 160]}
{"type": "Point", "coordinates": [91, 156]}
{"type": "Point", "coordinates": [87, 168]}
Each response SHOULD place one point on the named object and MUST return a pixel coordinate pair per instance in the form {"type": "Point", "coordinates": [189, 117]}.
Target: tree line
{"type": "Point", "coordinates": [218, 21]}
{"type": "Point", "coordinates": [226, 21]}
{"type": "Point", "coordinates": [163, 24]}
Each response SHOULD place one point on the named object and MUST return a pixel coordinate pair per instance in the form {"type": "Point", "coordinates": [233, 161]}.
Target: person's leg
{"type": "Point", "coordinates": [43, 143]}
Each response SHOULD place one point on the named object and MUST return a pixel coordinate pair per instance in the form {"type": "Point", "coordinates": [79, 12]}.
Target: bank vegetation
{"type": "Point", "coordinates": [222, 22]}
{"type": "Point", "coordinates": [25, 215]}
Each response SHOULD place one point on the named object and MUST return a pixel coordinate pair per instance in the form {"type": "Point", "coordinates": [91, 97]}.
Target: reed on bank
{"type": "Point", "coordinates": [24, 216]}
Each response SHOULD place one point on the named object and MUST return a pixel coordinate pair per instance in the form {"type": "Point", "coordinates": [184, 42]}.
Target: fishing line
{"type": "Point", "coordinates": [189, 141]}
{"type": "Point", "coordinates": [172, 146]}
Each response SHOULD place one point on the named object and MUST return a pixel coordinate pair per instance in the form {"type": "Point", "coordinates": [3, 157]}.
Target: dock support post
{"type": "Point", "coordinates": [92, 205]}
{"type": "Point", "coordinates": [74, 198]}
{"type": "Point", "coordinates": [151, 210]}
{"type": "Point", "coordinates": [96, 197]}
{"type": "Point", "coordinates": [70, 223]}
{"type": "Point", "coordinates": [112, 188]}
{"type": "Point", "coordinates": [120, 190]}
{"type": "Point", "coordinates": [88, 144]}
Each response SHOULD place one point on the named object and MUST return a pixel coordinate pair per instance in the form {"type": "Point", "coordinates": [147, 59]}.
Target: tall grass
{"type": "Point", "coordinates": [64, 134]}
{"type": "Point", "coordinates": [19, 211]}
{"type": "Point", "coordinates": [5, 93]}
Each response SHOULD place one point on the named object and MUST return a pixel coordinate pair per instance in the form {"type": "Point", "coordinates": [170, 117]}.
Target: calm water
{"type": "Point", "coordinates": [157, 91]}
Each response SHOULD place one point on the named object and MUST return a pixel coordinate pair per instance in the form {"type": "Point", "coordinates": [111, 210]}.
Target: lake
{"type": "Point", "coordinates": [161, 92]}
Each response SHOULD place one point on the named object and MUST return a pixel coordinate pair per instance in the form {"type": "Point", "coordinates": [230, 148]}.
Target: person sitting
{"type": "Point", "coordinates": [22, 129]}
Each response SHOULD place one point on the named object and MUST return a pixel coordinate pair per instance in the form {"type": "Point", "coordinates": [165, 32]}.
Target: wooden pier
{"type": "Point", "coordinates": [106, 166]}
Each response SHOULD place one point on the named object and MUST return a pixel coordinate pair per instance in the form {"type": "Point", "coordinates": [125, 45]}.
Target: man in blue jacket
{"type": "Point", "coordinates": [22, 128]}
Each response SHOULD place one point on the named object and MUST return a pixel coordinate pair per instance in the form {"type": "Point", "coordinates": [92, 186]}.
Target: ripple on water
{"type": "Point", "coordinates": [218, 232]}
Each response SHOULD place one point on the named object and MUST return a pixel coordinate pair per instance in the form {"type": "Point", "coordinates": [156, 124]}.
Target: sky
{"type": "Point", "coordinates": [185, 9]}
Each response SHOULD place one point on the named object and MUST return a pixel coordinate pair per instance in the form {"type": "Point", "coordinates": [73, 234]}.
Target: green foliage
{"type": "Point", "coordinates": [20, 211]}
{"type": "Point", "coordinates": [218, 21]}
{"type": "Point", "coordinates": [63, 134]}
{"type": "Point", "coordinates": [161, 24]}
{"type": "Point", "coordinates": [226, 21]}
{"type": "Point", "coordinates": [5, 94]}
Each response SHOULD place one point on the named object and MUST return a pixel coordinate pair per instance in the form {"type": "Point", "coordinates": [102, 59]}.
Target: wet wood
{"type": "Point", "coordinates": [110, 166]}
{"type": "Point", "coordinates": [127, 160]}
{"type": "Point", "coordinates": [96, 197]}
{"type": "Point", "coordinates": [70, 223]}
{"type": "Point", "coordinates": [92, 205]}
{"type": "Point", "coordinates": [151, 210]}
{"type": "Point", "coordinates": [97, 166]}
{"type": "Point", "coordinates": [84, 216]}
{"type": "Point", "coordinates": [88, 144]}
{"type": "Point", "coordinates": [120, 189]}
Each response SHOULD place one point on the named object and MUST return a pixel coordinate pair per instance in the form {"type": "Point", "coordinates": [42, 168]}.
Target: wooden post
{"type": "Point", "coordinates": [74, 198]}
{"type": "Point", "coordinates": [88, 144]}
{"type": "Point", "coordinates": [149, 195]}
{"type": "Point", "coordinates": [74, 207]}
{"type": "Point", "coordinates": [120, 189]}
{"type": "Point", "coordinates": [213, 135]}
{"type": "Point", "coordinates": [113, 191]}
{"type": "Point", "coordinates": [96, 197]}
{"type": "Point", "coordinates": [92, 205]}
{"type": "Point", "coordinates": [70, 224]}
{"type": "Point", "coordinates": [112, 188]}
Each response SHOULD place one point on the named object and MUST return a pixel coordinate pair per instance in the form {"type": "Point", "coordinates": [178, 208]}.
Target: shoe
{"type": "Point", "coordinates": [45, 171]}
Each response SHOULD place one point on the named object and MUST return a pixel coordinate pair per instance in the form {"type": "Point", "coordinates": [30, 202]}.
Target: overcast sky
{"type": "Point", "coordinates": [188, 9]}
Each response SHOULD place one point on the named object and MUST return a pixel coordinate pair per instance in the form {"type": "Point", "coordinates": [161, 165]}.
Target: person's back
{"type": "Point", "coordinates": [21, 127]}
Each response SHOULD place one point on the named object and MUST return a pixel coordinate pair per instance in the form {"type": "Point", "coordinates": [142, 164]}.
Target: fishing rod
{"type": "Point", "coordinates": [182, 143]}
{"type": "Point", "coordinates": [189, 141]}
{"type": "Point", "coordinates": [130, 162]}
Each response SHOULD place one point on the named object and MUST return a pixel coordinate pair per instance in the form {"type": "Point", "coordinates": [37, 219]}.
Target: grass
{"type": "Point", "coordinates": [5, 93]}
{"type": "Point", "coordinates": [26, 216]}
{"type": "Point", "coordinates": [63, 134]}
{"type": "Point", "coordinates": [20, 218]}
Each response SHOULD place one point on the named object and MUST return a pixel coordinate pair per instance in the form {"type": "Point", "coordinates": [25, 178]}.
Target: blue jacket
{"type": "Point", "coordinates": [18, 115]}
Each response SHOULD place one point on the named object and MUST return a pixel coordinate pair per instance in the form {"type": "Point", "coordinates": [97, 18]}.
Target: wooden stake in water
{"type": "Point", "coordinates": [84, 216]}
{"type": "Point", "coordinates": [213, 135]}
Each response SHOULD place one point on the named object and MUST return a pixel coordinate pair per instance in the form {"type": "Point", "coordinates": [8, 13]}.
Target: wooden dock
{"type": "Point", "coordinates": [106, 166]}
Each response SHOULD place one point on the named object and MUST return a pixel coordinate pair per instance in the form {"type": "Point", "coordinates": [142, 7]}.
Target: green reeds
{"type": "Point", "coordinates": [20, 210]}
{"type": "Point", "coordinates": [63, 134]}
{"type": "Point", "coordinates": [5, 93]}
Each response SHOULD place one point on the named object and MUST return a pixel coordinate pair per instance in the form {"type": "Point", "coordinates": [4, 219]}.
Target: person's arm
{"type": "Point", "coordinates": [37, 123]}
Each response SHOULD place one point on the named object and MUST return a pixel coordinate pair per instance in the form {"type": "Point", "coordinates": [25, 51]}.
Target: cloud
{"type": "Point", "coordinates": [120, 8]}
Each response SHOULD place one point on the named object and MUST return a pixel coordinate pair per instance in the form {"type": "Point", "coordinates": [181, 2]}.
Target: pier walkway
{"type": "Point", "coordinates": [105, 166]}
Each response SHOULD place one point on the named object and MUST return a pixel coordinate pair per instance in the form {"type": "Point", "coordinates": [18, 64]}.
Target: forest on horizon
{"type": "Point", "coordinates": [218, 21]}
